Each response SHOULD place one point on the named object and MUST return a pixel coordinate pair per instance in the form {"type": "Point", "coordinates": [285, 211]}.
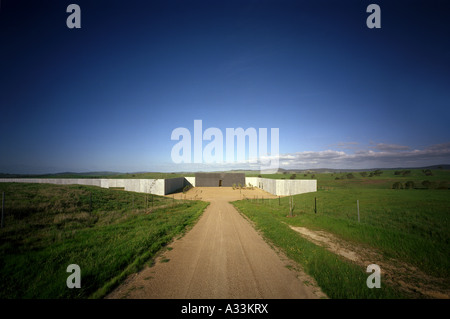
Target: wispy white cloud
{"type": "Point", "coordinates": [391, 147]}
{"type": "Point", "coordinates": [344, 145]}
{"type": "Point", "coordinates": [384, 155]}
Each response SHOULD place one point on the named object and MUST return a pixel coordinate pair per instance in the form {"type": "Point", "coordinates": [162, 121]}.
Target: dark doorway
{"type": "Point", "coordinates": [220, 183]}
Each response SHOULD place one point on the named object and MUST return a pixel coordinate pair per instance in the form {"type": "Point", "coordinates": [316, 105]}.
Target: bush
{"type": "Point", "coordinates": [337, 178]}
{"type": "Point", "coordinates": [403, 173]}
{"type": "Point", "coordinates": [426, 184]}
{"type": "Point", "coordinates": [377, 172]}
{"type": "Point", "coordinates": [397, 185]}
{"type": "Point", "coordinates": [186, 188]}
{"type": "Point", "coordinates": [427, 172]}
{"type": "Point", "coordinates": [293, 176]}
{"type": "Point", "coordinates": [350, 176]}
{"type": "Point", "coordinates": [259, 175]}
{"type": "Point", "coordinates": [409, 185]}
{"type": "Point", "coordinates": [363, 174]}
{"type": "Point", "coordinates": [313, 176]}
{"type": "Point", "coordinates": [234, 186]}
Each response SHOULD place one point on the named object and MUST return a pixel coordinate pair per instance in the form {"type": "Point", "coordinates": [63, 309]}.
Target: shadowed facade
{"type": "Point", "coordinates": [219, 179]}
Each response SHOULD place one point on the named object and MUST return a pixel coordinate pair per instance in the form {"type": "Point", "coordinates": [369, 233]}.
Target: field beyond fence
{"type": "Point", "coordinates": [408, 224]}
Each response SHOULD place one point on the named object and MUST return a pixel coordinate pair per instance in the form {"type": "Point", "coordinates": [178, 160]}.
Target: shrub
{"type": "Point", "coordinates": [186, 188]}
{"type": "Point", "coordinates": [409, 185]}
{"type": "Point", "coordinates": [350, 176]}
{"type": "Point", "coordinates": [426, 184]}
{"type": "Point", "coordinates": [313, 176]}
{"type": "Point", "coordinates": [293, 176]}
{"type": "Point", "coordinates": [427, 172]}
{"type": "Point", "coordinates": [377, 172]}
{"type": "Point", "coordinates": [337, 178]}
{"type": "Point", "coordinates": [363, 174]}
{"type": "Point", "coordinates": [397, 185]}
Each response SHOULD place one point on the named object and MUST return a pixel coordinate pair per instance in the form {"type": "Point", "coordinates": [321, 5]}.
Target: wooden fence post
{"type": "Point", "coordinates": [3, 205]}
{"type": "Point", "coordinates": [357, 206]}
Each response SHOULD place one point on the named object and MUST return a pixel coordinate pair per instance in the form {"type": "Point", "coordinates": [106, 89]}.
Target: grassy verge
{"type": "Point", "coordinates": [410, 225]}
{"type": "Point", "coordinates": [336, 277]}
{"type": "Point", "coordinates": [108, 233]}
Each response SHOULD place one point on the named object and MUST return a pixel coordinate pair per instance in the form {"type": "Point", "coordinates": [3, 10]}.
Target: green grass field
{"type": "Point", "coordinates": [411, 225]}
{"type": "Point", "coordinates": [108, 233]}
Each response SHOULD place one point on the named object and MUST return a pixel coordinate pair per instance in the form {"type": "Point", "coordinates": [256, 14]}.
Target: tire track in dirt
{"type": "Point", "coordinates": [410, 279]}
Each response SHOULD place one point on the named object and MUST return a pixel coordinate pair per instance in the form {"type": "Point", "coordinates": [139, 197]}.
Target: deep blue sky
{"type": "Point", "coordinates": [107, 96]}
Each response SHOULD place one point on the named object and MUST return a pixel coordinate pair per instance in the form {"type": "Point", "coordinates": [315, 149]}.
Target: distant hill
{"type": "Point", "coordinates": [337, 170]}
{"type": "Point", "coordinates": [168, 175]}
{"type": "Point", "coordinates": [61, 175]}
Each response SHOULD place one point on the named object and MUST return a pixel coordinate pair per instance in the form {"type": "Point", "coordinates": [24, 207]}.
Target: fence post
{"type": "Point", "coordinates": [315, 205]}
{"type": "Point", "coordinates": [357, 206]}
{"type": "Point", "coordinates": [3, 205]}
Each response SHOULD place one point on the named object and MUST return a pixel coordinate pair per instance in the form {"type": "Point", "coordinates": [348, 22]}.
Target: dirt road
{"type": "Point", "coordinates": [222, 256]}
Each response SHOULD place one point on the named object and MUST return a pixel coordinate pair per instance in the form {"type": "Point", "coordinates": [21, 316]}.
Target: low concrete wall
{"type": "Point", "coordinates": [152, 186]}
{"type": "Point", "coordinates": [190, 180]}
{"type": "Point", "coordinates": [174, 185]}
{"type": "Point", "coordinates": [279, 187]}
{"type": "Point", "coordinates": [282, 187]}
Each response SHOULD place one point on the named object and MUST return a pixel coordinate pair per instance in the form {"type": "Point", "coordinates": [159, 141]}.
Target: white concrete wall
{"type": "Point", "coordinates": [174, 185]}
{"type": "Point", "coordinates": [283, 187]}
{"type": "Point", "coordinates": [191, 180]}
{"type": "Point", "coordinates": [251, 180]}
{"type": "Point", "coordinates": [152, 186]}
